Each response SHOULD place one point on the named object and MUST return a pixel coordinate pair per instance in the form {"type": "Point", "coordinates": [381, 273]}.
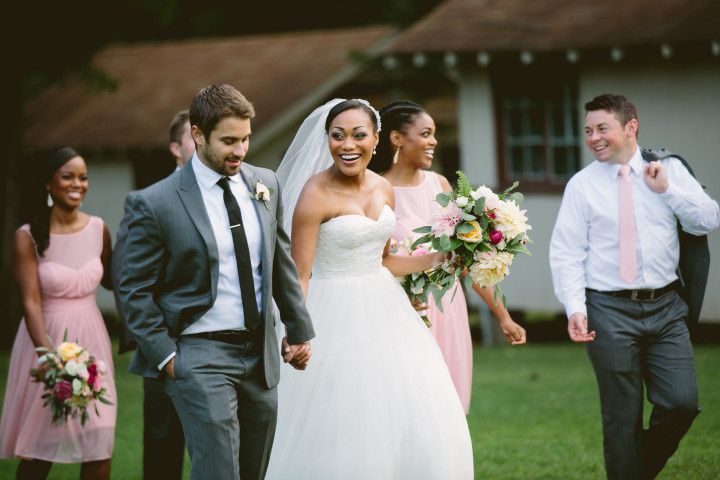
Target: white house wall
{"type": "Point", "coordinates": [679, 109]}
{"type": "Point", "coordinates": [109, 184]}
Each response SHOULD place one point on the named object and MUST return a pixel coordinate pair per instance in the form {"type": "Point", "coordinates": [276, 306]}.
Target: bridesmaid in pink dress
{"type": "Point", "coordinates": [60, 258]}
{"type": "Point", "coordinates": [405, 152]}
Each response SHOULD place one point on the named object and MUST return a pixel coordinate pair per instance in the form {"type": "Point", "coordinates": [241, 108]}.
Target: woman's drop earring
{"type": "Point", "coordinates": [395, 157]}
{"type": "Point", "coordinates": [50, 201]}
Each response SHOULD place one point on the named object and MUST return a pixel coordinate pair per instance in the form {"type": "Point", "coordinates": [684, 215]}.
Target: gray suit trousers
{"type": "Point", "coordinates": [642, 343]}
{"type": "Point", "coordinates": [227, 412]}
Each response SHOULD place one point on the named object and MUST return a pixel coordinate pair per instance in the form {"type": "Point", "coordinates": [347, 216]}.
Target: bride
{"type": "Point", "coordinates": [376, 401]}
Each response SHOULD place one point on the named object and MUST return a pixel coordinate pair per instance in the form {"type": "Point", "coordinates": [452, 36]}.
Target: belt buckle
{"type": "Point", "coordinates": [637, 295]}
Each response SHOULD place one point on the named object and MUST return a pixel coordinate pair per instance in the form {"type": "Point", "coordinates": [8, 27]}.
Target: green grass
{"type": "Point", "coordinates": [534, 415]}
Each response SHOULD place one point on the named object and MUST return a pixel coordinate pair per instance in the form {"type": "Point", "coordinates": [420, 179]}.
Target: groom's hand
{"type": "Point", "coordinates": [296, 355]}
{"type": "Point", "coordinates": [170, 368]}
{"type": "Point", "coordinates": [578, 329]}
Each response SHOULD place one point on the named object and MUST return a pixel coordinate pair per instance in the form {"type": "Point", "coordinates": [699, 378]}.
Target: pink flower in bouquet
{"type": "Point", "coordinates": [420, 250]}
{"type": "Point", "coordinates": [496, 236]}
{"type": "Point", "coordinates": [63, 390]}
{"type": "Point", "coordinates": [94, 377]}
{"type": "Point", "coordinates": [446, 221]}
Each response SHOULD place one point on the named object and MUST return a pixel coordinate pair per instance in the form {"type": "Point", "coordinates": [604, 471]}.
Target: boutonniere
{"type": "Point", "coordinates": [262, 192]}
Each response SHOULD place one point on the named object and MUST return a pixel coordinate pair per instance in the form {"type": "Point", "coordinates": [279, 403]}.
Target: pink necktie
{"type": "Point", "coordinates": [626, 222]}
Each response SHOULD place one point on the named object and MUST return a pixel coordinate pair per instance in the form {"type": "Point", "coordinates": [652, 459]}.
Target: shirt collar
{"type": "Point", "coordinates": [636, 166]}
{"type": "Point", "coordinates": [206, 176]}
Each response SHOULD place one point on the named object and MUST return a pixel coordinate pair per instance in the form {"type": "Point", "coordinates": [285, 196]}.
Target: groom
{"type": "Point", "coordinates": [205, 257]}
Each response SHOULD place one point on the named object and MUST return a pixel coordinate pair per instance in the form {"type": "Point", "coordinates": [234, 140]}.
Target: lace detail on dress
{"type": "Point", "coordinates": [352, 245]}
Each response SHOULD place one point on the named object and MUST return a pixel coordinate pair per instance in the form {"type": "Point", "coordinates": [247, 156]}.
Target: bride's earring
{"type": "Point", "coordinates": [50, 201]}
{"type": "Point", "coordinates": [395, 157]}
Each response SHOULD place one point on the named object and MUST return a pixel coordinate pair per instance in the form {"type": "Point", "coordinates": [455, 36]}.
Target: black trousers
{"type": "Point", "coordinates": [642, 343]}
{"type": "Point", "coordinates": [163, 440]}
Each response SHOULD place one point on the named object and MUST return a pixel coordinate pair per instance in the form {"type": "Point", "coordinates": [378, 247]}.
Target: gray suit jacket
{"type": "Point", "coordinates": [170, 270]}
{"type": "Point", "coordinates": [127, 341]}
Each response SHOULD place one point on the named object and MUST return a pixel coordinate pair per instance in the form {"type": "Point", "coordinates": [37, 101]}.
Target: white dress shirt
{"type": "Point", "coordinates": [584, 246]}
{"type": "Point", "coordinates": [227, 311]}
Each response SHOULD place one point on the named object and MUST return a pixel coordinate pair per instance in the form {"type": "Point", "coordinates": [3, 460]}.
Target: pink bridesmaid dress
{"type": "Point", "coordinates": [70, 272]}
{"type": "Point", "coordinates": [415, 207]}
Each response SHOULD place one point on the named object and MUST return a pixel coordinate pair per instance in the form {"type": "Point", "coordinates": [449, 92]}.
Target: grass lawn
{"type": "Point", "coordinates": [534, 415]}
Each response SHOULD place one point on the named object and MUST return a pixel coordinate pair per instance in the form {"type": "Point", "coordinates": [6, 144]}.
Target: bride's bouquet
{"type": "Point", "coordinates": [73, 379]}
{"type": "Point", "coordinates": [481, 230]}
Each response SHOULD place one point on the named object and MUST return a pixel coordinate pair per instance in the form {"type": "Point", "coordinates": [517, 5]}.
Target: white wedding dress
{"type": "Point", "coordinates": [376, 401]}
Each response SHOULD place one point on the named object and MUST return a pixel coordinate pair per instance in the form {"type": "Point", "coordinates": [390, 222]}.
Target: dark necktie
{"type": "Point", "coordinates": [242, 256]}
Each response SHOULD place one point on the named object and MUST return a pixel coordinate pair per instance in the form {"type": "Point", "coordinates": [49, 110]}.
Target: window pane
{"type": "Point", "coordinates": [539, 123]}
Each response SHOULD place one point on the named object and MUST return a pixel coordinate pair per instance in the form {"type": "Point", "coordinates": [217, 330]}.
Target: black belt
{"type": "Point", "coordinates": [230, 336]}
{"type": "Point", "coordinates": [643, 293]}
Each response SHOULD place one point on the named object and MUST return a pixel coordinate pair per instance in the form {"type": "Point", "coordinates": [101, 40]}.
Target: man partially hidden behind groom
{"type": "Point", "coordinates": [205, 256]}
{"type": "Point", "coordinates": [614, 254]}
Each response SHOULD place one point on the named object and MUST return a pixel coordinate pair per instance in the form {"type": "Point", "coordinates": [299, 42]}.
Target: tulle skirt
{"type": "Point", "coordinates": [25, 428]}
{"type": "Point", "coordinates": [376, 401]}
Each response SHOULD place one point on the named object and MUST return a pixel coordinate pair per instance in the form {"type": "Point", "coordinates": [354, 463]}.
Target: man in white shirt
{"type": "Point", "coordinates": [614, 255]}
{"type": "Point", "coordinates": [206, 259]}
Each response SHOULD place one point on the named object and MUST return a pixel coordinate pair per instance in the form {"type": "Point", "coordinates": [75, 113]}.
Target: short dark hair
{"type": "Point", "coordinates": [396, 116]}
{"type": "Point", "coordinates": [351, 104]}
{"type": "Point", "coordinates": [178, 125]}
{"type": "Point", "coordinates": [216, 102]}
{"type": "Point", "coordinates": [620, 105]}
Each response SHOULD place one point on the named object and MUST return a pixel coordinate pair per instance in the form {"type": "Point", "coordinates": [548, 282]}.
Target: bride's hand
{"type": "Point", "coordinates": [439, 258]}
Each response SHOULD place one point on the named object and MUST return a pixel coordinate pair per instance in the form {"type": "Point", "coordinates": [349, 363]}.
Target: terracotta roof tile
{"type": "Point", "coordinates": [155, 80]}
{"type": "Point", "coordinates": [472, 25]}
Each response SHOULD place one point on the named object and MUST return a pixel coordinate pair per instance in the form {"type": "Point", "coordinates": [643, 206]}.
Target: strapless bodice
{"type": "Point", "coordinates": [352, 245]}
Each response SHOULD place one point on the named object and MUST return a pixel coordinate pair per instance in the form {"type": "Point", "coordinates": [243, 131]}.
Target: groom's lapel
{"type": "Point", "coordinates": [191, 198]}
{"type": "Point", "coordinates": [263, 214]}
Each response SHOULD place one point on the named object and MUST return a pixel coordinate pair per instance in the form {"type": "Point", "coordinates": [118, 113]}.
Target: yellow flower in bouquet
{"type": "Point", "coordinates": [474, 236]}
{"type": "Point", "coordinates": [68, 350]}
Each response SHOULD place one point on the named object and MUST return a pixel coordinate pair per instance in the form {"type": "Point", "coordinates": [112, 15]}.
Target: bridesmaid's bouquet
{"type": "Point", "coordinates": [481, 230]}
{"type": "Point", "coordinates": [73, 379]}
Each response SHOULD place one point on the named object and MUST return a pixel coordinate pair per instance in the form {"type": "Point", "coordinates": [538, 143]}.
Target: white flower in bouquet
{"type": "Point", "coordinates": [490, 268]}
{"type": "Point", "coordinates": [462, 202]}
{"type": "Point", "coordinates": [510, 220]}
{"type": "Point", "coordinates": [77, 386]}
{"type": "Point", "coordinates": [491, 199]}
{"type": "Point", "coordinates": [101, 367]}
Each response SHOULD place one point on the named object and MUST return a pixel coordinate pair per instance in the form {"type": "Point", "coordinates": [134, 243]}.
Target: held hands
{"type": "Point", "coordinates": [655, 177]}
{"type": "Point", "coordinates": [514, 333]}
{"type": "Point", "coordinates": [296, 355]}
{"type": "Point", "coordinates": [577, 329]}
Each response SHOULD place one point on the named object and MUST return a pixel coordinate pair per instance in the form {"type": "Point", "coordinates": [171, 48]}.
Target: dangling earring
{"type": "Point", "coordinates": [50, 201]}
{"type": "Point", "coordinates": [395, 157]}
{"type": "Point", "coordinates": [374, 152]}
